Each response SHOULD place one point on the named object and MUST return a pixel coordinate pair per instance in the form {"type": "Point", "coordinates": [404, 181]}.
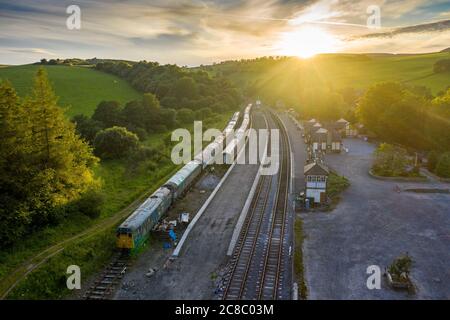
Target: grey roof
{"type": "Point", "coordinates": [183, 173]}
{"type": "Point", "coordinates": [315, 168]}
{"type": "Point", "coordinates": [145, 209]}
{"type": "Point", "coordinates": [319, 136]}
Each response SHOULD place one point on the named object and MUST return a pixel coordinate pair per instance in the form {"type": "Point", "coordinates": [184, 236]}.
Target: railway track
{"type": "Point", "coordinates": [256, 268]}
{"type": "Point", "coordinates": [104, 287]}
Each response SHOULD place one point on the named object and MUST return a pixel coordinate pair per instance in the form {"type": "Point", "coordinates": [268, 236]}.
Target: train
{"type": "Point", "coordinates": [234, 147]}
{"type": "Point", "coordinates": [134, 231]}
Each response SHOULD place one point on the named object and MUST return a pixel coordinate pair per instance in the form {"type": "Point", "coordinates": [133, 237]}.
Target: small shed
{"type": "Point", "coordinates": [316, 176]}
{"type": "Point", "coordinates": [334, 141]}
{"type": "Point", "coordinates": [319, 139]}
{"type": "Point", "coordinates": [341, 124]}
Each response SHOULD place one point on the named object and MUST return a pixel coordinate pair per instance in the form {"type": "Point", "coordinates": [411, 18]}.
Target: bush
{"type": "Point", "coordinates": [185, 115]}
{"type": "Point", "coordinates": [87, 128]}
{"type": "Point", "coordinates": [203, 113]}
{"type": "Point", "coordinates": [433, 158]}
{"type": "Point", "coordinates": [390, 161]}
{"type": "Point", "coordinates": [159, 128]}
{"type": "Point", "coordinates": [140, 132]}
{"type": "Point", "coordinates": [109, 113]}
{"type": "Point", "coordinates": [336, 184]}
{"type": "Point", "coordinates": [141, 154]}
{"type": "Point", "coordinates": [399, 267]}
{"type": "Point", "coordinates": [442, 66]}
{"type": "Point", "coordinates": [115, 143]}
{"type": "Point", "coordinates": [443, 165]}
{"type": "Point", "coordinates": [90, 203]}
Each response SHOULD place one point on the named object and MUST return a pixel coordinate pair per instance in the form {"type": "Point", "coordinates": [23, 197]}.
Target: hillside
{"type": "Point", "coordinates": [80, 88]}
{"type": "Point", "coordinates": [286, 77]}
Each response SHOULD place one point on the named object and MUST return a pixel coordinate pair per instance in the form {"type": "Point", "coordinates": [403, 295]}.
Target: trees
{"type": "Point", "coordinates": [134, 114]}
{"type": "Point", "coordinates": [115, 143]}
{"type": "Point", "coordinates": [61, 159]}
{"type": "Point", "coordinates": [44, 163]}
{"type": "Point", "coordinates": [152, 111]}
{"type": "Point", "coordinates": [185, 115]}
{"type": "Point", "coordinates": [176, 87]}
{"type": "Point", "coordinates": [441, 66]}
{"type": "Point", "coordinates": [185, 87]}
{"type": "Point", "coordinates": [443, 165]}
{"type": "Point", "coordinates": [87, 127]}
{"type": "Point", "coordinates": [438, 123]}
{"type": "Point", "coordinates": [109, 113]}
{"type": "Point", "coordinates": [390, 160]}
{"type": "Point", "coordinates": [394, 113]}
{"type": "Point", "coordinates": [168, 117]}
{"type": "Point", "coordinates": [13, 150]}
{"type": "Point", "coordinates": [203, 113]}
{"type": "Point", "coordinates": [432, 160]}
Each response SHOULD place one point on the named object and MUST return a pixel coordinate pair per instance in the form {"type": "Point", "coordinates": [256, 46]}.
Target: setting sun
{"type": "Point", "coordinates": [306, 42]}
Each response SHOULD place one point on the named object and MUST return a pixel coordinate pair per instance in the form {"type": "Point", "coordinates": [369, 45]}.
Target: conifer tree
{"type": "Point", "coordinates": [61, 159]}
{"type": "Point", "coordinates": [44, 164]}
{"type": "Point", "coordinates": [14, 215]}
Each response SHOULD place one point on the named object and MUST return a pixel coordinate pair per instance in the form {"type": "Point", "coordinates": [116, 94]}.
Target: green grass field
{"type": "Point", "coordinates": [80, 88]}
{"type": "Point", "coordinates": [337, 71]}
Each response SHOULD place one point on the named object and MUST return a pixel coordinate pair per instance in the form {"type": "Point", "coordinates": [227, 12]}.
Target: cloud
{"type": "Point", "coordinates": [421, 28]}
{"type": "Point", "coordinates": [196, 31]}
{"type": "Point", "coordinates": [34, 51]}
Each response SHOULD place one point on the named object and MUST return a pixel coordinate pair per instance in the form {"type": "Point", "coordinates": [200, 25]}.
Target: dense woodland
{"type": "Point", "coordinates": [177, 87]}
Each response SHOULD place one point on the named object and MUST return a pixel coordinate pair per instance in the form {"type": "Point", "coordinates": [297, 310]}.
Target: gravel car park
{"type": "Point", "coordinates": [372, 225]}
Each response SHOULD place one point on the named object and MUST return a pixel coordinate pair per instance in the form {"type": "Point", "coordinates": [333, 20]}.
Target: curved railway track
{"type": "Point", "coordinates": [256, 268]}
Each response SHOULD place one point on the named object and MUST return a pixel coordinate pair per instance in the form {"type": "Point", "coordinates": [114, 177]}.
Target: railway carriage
{"type": "Point", "coordinates": [133, 232]}
{"type": "Point", "coordinates": [235, 146]}
{"type": "Point", "coordinates": [181, 180]}
{"type": "Point", "coordinates": [209, 155]}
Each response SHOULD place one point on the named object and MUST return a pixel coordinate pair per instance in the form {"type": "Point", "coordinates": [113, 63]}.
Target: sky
{"type": "Point", "coordinates": [206, 31]}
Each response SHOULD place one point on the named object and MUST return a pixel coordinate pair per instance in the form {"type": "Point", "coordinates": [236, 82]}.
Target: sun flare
{"type": "Point", "coordinates": [307, 42]}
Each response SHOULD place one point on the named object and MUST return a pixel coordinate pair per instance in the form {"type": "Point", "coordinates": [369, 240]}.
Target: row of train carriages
{"type": "Point", "coordinates": [134, 231]}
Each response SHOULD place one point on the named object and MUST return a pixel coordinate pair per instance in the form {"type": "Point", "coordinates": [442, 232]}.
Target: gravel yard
{"type": "Point", "coordinates": [372, 225]}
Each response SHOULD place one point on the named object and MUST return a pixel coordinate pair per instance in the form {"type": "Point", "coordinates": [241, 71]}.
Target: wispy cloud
{"type": "Point", "coordinates": [199, 31]}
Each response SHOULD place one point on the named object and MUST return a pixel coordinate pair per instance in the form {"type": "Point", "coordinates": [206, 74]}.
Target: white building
{"type": "Point", "coordinates": [316, 176]}
{"type": "Point", "coordinates": [319, 139]}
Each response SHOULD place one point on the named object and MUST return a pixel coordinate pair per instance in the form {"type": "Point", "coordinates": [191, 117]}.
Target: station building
{"type": "Point", "coordinates": [316, 176]}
